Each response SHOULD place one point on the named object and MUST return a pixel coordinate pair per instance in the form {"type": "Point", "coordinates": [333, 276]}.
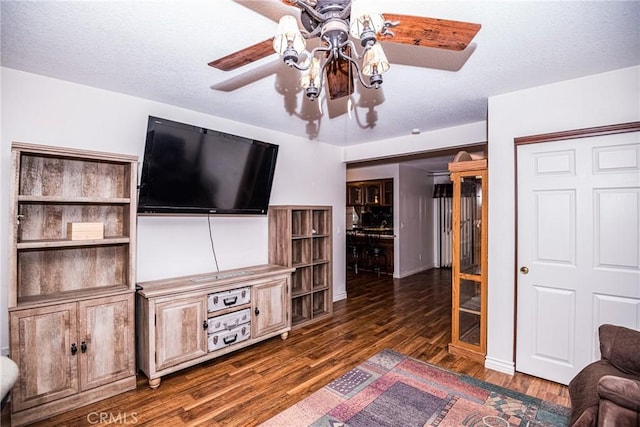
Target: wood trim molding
{"type": "Point", "coordinates": [468, 165]}
{"type": "Point", "coordinates": [579, 133]}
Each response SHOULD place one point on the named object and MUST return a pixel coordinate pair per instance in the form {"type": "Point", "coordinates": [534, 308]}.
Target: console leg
{"type": "Point", "coordinates": [154, 383]}
{"type": "Point", "coordinates": [284, 335]}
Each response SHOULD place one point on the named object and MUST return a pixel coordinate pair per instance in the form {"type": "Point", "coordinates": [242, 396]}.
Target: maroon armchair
{"type": "Point", "coordinates": [607, 392]}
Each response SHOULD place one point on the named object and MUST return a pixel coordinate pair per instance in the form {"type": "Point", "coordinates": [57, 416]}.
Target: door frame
{"type": "Point", "coordinates": [551, 137]}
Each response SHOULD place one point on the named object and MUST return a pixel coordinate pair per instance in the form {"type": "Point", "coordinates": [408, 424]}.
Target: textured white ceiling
{"type": "Point", "coordinates": [160, 49]}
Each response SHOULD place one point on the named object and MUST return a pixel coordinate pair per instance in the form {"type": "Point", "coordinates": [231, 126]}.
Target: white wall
{"type": "Point", "coordinates": [597, 100]}
{"type": "Point", "coordinates": [457, 136]}
{"type": "Point", "coordinates": [47, 111]}
{"type": "Point", "coordinates": [415, 210]}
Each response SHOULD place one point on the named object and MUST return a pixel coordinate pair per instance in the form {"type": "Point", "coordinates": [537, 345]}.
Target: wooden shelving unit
{"type": "Point", "coordinates": [469, 269]}
{"type": "Point", "coordinates": [301, 237]}
{"type": "Point", "coordinates": [71, 302]}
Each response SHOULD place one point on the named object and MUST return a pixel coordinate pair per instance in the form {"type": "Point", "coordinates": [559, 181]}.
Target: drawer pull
{"type": "Point", "coordinates": [230, 301]}
{"type": "Point", "coordinates": [230, 340]}
{"type": "Point", "coordinates": [74, 349]}
{"type": "Point", "coordinates": [205, 325]}
{"type": "Point", "coordinates": [83, 347]}
{"type": "Point", "coordinates": [231, 326]}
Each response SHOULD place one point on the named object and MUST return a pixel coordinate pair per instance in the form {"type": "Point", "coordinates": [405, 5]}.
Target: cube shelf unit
{"type": "Point", "coordinates": [301, 237]}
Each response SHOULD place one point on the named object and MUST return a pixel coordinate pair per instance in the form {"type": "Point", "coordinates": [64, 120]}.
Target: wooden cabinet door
{"type": "Point", "coordinates": [106, 340]}
{"type": "Point", "coordinates": [271, 307]}
{"type": "Point", "coordinates": [41, 344]}
{"type": "Point", "coordinates": [180, 332]}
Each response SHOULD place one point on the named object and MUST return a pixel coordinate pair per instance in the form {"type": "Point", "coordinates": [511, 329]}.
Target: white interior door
{"type": "Point", "coordinates": [579, 238]}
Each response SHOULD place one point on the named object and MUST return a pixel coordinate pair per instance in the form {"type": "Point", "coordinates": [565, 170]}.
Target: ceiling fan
{"type": "Point", "coordinates": [336, 57]}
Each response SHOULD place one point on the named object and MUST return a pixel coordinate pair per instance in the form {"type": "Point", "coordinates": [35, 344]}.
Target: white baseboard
{"type": "Point", "coordinates": [500, 365]}
{"type": "Point", "coordinates": [339, 296]}
{"type": "Point", "coordinates": [415, 271]}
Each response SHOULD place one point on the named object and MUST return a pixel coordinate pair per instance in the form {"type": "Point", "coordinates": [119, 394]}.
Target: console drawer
{"type": "Point", "coordinates": [222, 339]}
{"type": "Point", "coordinates": [227, 299]}
{"type": "Point", "coordinates": [229, 321]}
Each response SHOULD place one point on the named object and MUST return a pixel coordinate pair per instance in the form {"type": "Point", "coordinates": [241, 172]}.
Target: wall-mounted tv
{"type": "Point", "coordinates": [191, 170]}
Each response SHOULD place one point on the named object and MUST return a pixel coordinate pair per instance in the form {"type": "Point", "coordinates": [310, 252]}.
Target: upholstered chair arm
{"type": "Point", "coordinates": [623, 392]}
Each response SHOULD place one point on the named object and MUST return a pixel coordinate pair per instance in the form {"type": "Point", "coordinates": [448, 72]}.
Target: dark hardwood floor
{"type": "Point", "coordinates": [410, 315]}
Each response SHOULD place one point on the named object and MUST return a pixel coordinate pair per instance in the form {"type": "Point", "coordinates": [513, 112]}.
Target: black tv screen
{"type": "Point", "coordinates": [191, 170]}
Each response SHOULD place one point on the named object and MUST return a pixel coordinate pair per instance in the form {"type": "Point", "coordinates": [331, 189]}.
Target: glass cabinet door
{"type": "Point", "coordinates": [387, 192]}
{"type": "Point", "coordinates": [469, 313]}
{"type": "Point", "coordinates": [372, 193]}
{"type": "Point", "coordinates": [354, 194]}
{"type": "Point", "coordinates": [470, 224]}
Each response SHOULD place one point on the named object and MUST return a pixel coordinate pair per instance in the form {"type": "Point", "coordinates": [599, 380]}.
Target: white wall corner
{"type": "Point", "coordinates": [339, 296]}
{"type": "Point", "coordinates": [506, 367]}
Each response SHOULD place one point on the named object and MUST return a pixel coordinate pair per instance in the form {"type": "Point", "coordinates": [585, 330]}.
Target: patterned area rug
{"type": "Point", "coordinates": [394, 390]}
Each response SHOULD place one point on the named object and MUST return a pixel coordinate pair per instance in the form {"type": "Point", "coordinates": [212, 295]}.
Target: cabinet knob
{"type": "Point", "coordinates": [205, 325]}
{"type": "Point", "coordinates": [83, 347]}
{"type": "Point", "coordinates": [74, 349]}
{"type": "Point", "coordinates": [257, 311]}
{"type": "Point", "coordinates": [524, 269]}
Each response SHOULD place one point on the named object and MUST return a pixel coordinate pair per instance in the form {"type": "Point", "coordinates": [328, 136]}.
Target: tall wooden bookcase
{"type": "Point", "coordinates": [301, 237]}
{"type": "Point", "coordinates": [71, 297]}
{"type": "Point", "coordinates": [469, 267]}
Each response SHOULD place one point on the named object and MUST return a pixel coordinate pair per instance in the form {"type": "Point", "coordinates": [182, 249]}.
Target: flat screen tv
{"type": "Point", "coordinates": [191, 170]}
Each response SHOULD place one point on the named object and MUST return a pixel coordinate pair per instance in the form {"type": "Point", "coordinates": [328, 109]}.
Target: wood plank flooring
{"type": "Point", "coordinates": [410, 315]}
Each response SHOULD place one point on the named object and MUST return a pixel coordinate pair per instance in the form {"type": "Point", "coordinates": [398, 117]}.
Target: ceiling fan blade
{"type": "Point", "coordinates": [244, 56]}
{"type": "Point", "coordinates": [250, 76]}
{"type": "Point", "coordinates": [339, 80]}
{"type": "Point", "coordinates": [430, 32]}
{"type": "Point", "coordinates": [273, 9]}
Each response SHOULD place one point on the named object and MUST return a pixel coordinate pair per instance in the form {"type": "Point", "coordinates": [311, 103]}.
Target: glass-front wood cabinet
{"type": "Point", "coordinates": [469, 269]}
{"type": "Point", "coordinates": [354, 194]}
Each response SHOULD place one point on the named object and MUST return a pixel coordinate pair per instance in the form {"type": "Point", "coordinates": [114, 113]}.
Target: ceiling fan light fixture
{"type": "Point", "coordinates": [288, 37]}
{"type": "Point", "coordinates": [310, 79]}
{"type": "Point", "coordinates": [375, 62]}
{"type": "Point", "coordinates": [365, 20]}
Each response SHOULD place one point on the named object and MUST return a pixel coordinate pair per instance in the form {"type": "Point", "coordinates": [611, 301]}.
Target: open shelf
{"type": "Point", "coordinates": [301, 281]}
{"type": "Point", "coordinates": [300, 309]}
{"type": "Point", "coordinates": [68, 243]}
{"type": "Point", "coordinates": [300, 223]}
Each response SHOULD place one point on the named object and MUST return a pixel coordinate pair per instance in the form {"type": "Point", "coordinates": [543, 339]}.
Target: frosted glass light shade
{"type": "Point", "coordinates": [286, 33]}
{"type": "Point", "coordinates": [375, 61]}
{"type": "Point", "coordinates": [363, 15]}
{"type": "Point", "coordinates": [311, 75]}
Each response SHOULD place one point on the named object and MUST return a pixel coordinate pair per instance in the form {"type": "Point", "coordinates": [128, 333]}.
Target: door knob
{"type": "Point", "coordinates": [524, 269]}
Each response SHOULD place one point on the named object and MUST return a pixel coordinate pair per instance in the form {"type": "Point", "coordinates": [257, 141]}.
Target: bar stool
{"type": "Point", "coordinates": [352, 250]}
{"type": "Point", "coordinates": [376, 254]}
